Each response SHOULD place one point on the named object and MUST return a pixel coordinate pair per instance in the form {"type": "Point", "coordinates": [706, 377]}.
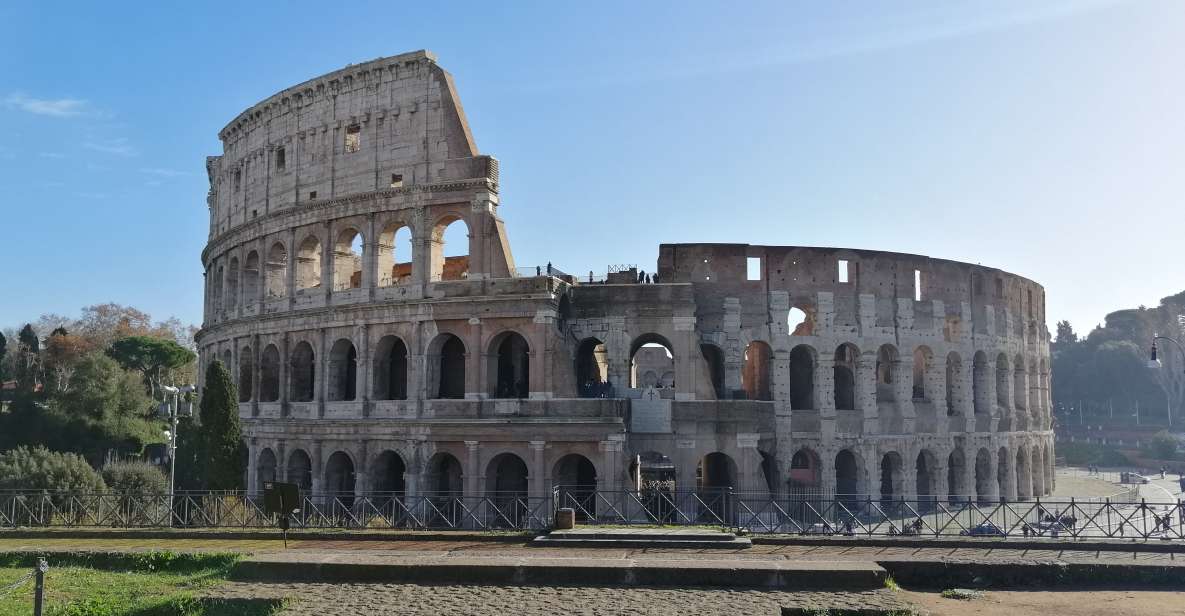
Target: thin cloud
{"type": "Point", "coordinates": [118, 146]}
{"type": "Point", "coordinates": [165, 173]}
{"type": "Point", "coordinates": [57, 108]}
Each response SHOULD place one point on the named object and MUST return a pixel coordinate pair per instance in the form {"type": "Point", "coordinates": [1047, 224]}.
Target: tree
{"type": "Point", "coordinates": [1164, 445]}
{"type": "Point", "coordinates": [151, 357]}
{"type": "Point", "coordinates": [134, 478]}
{"type": "Point", "coordinates": [103, 324]}
{"type": "Point", "coordinates": [63, 351]}
{"type": "Point", "coordinates": [41, 469]}
{"type": "Point", "coordinates": [28, 359]}
{"type": "Point", "coordinates": [1065, 335]}
{"type": "Point", "coordinates": [3, 357]}
{"type": "Point", "coordinates": [221, 438]}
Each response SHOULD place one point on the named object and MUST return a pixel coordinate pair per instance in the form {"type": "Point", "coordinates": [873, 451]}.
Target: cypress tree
{"type": "Point", "coordinates": [221, 435]}
{"type": "Point", "coordinates": [3, 356]}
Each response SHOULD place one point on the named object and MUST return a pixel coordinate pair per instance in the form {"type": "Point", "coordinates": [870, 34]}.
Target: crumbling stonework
{"type": "Point", "coordinates": [367, 363]}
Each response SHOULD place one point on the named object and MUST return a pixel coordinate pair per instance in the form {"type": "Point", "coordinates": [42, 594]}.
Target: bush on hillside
{"type": "Point", "coordinates": [40, 469]}
{"type": "Point", "coordinates": [133, 478]}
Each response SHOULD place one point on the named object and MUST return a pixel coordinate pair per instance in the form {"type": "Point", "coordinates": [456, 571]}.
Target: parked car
{"type": "Point", "coordinates": [987, 529]}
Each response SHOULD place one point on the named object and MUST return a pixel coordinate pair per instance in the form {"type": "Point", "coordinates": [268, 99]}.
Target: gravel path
{"type": "Point", "coordinates": [352, 599]}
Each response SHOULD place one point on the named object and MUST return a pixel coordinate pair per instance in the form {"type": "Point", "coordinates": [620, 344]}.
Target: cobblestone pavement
{"type": "Point", "coordinates": [352, 599]}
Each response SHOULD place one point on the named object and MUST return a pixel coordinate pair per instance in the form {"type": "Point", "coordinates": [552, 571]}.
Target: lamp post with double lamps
{"type": "Point", "coordinates": [173, 410]}
{"type": "Point", "coordinates": [1154, 363]}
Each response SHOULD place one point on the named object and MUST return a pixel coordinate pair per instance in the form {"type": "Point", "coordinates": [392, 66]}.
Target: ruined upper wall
{"type": "Point", "coordinates": [394, 122]}
{"type": "Point", "coordinates": [882, 278]}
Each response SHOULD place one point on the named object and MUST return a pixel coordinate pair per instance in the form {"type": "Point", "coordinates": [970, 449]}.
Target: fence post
{"type": "Point", "coordinates": [39, 587]}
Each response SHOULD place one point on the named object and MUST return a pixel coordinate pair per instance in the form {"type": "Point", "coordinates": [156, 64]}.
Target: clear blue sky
{"type": "Point", "coordinates": [1044, 138]}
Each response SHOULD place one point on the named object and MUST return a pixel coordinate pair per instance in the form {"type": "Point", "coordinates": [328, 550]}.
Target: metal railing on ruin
{"type": "Point", "coordinates": [759, 513]}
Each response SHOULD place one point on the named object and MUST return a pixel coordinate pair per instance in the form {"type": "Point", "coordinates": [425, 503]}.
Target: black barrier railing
{"type": "Point", "coordinates": [753, 512]}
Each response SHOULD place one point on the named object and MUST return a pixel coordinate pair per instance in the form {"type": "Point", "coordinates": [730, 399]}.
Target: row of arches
{"type": "Point", "coordinates": [509, 370]}
{"type": "Point", "coordinates": [262, 276]}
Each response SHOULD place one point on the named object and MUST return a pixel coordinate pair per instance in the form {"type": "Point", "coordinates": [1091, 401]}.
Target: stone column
{"type": "Point", "coordinates": [363, 368]}
{"type": "Point", "coordinates": [827, 474]}
{"type": "Point", "coordinates": [255, 376]}
{"type": "Point", "coordinates": [321, 378]}
{"type": "Point", "coordinates": [317, 472]}
{"type": "Point", "coordinates": [252, 467]}
{"type": "Point", "coordinates": [328, 261]}
{"type": "Point", "coordinates": [866, 392]}
{"type": "Point", "coordinates": [824, 393]}
{"type": "Point", "coordinates": [969, 486]}
{"type": "Point", "coordinates": [370, 260]}
{"type": "Point", "coordinates": [749, 465]}
{"type": "Point", "coordinates": [537, 480]}
{"type": "Point", "coordinates": [361, 467]}
{"type": "Point", "coordinates": [939, 479]}
{"type": "Point", "coordinates": [290, 270]}
{"type": "Point", "coordinates": [1008, 489]}
{"type": "Point", "coordinates": [473, 478]}
{"type": "Point", "coordinates": [282, 461]}
{"type": "Point", "coordinates": [686, 351]}
{"type": "Point", "coordinates": [872, 473]}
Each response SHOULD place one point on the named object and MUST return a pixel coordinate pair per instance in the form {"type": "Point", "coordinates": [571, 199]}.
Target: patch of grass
{"type": "Point", "coordinates": [962, 594]}
{"type": "Point", "coordinates": [891, 584]}
{"type": "Point", "coordinates": [127, 584]}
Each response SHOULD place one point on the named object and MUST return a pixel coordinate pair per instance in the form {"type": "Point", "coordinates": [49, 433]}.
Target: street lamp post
{"type": "Point", "coordinates": [174, 413]}
{"type": "Point", "coordinates": [1154, 363]}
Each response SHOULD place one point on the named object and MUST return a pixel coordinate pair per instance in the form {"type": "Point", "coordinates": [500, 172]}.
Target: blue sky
{"type": "Point", "coordinates": [1042, 138]}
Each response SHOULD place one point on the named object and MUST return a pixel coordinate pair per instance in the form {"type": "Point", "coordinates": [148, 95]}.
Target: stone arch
{"type": "Point", "coordinates": [232, 284]}
{"type": "Point", "coordinates": [446, 234]}
{"type": "Point", "coordinates": [302, 381]}
{"type": "Point", "coordinates": [269, 374]}
{"type": "Point", "coordinates": [592, 368]}
{"type": "Point", "coordinates": [246, 375]}
{"type": "Point", "coordinates": [892, 478]}
{"type": "Point", "coordinates": [308, 264]}
{"type": "Point", "coordinates": [653, 470]}
{"type": "Point", "coordinates": [980, 382]}
{"type": "Point", "coordinates": [444, 476]}
{"type": "Point", "coordinates": [265, 467]}
{"type": "Point", "coordinates": [446, 354]}
{"type": "Point", "coordinates": [388, 474]}
{"type": "Point", "coordinates": [343, 371]}
{"type": "Point", "coordinates": [1004, 471]}
{"type": "Point", "coordinates": [926, 476]}
{"type": "Point", "coordinates": [349, 253]}
{"type": "Point", "coordinates": [575, 478]}
{"type": "Point", "coordinates": [645, 357]}
{"type": "Point", "coordinates": [395, 265]}
{"type": "Point", "coordinates": [849, 484]}
{"type": "Point", "coordinates": [1020, 389]}
{"type": "Point", "coordinates": [886, 360]}
{"type": "Point", "coordinates": [300, 470]}
{"type": "Point", "coordinates": [1024, 477]}
{"type": "Point", "coordinates": [923, 358]}
{"type": "Point", "coordinates": [276, 271]}
{"type": "Point", "coordinates": [1003, 378]}
{"type": "Point", "coordinates": [340, 478]}
{"type": "Point", "coordinates": [390, 369]}
{"type": "Point", "coordinates": [228, 360]}
{"type": "Point", "coordinates": [714, 358]}
{"type": "Point", "coordinates": [716, 471]}
{"type": "Point", "coordinates": [956, 474]}
{"type": "Point", "coordinates": [806, 474]}
{"type": "Point", "coordinates": [1036, 471]}
{"type": "Point", "coordinates": [250, 278]}
{"type": "Point", "coordinates": [509, 369]}
{"type": "Point", "coordinates": [954, 384]}
{"type": "Point", "coordinates": [846, 358]}
{"type": "Point", "coordinates": [506, 474]}
{"type": "Point", "coordinates": [800, 321]}
{"type": "Point", "coordinates": [219, 288]}
{"type": "Point", "coordinates": [802, 377]}
{"type": "Point", "coordinates": [756, 371]}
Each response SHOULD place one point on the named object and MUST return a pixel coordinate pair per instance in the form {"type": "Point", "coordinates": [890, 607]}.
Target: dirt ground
{"type": "Point", "coordinates": [1054, 603]}
{"type": "Point", "coordinates": [1069, 485]}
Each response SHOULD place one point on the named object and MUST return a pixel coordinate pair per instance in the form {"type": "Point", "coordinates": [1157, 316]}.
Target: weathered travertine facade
{"type": "Point", "coordinates": [369, 362]}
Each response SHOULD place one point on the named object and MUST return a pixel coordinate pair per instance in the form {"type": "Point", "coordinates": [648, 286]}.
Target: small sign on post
{"type": "Point", "coordinates": [281, 499]}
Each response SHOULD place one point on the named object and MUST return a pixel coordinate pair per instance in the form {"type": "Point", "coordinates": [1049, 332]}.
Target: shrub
{"type": "Point", "coordinates": [43, 470]}
{"type": "Point", "coordinates": [1164, 445]}
{"type": "Point", "coordinates": [129, 478]}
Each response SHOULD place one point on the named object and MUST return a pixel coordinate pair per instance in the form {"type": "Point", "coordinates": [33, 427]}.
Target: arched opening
{"type": "Point", "coordinates": [343, 371]}
{"type": "Point", "coordinates": [575, 479]}
{"type": "Point", "coordinates": [956, 473]}
{"type": "Point", "coordinates": [246, 375]}
{"type": "Point", "coordinates": [450, 364]}
{"type": "Point", "coordinates": [444, 475]}
{"type": "Point", "coordinates": [802, 377]}
{"type": "Point", "coordinates": [652, 470]}
{"type": "Point", "coordinates": [921, 366]}
{"type": "Point", "coordinates": [924, 480]}
{"type": "Point", "coordinates": [276, 274]}
{"type": "Point", "coordinates": [228, 361]}
{"type": "Point", "coordinates": [1003, 378]}
{"type": "Point", "coordinates": [1004, 471]}
{"type": "Point", "coordinates": [1020, 385]}
{"type": "Point", "coordinates": [954, 384]}
{"type": "Point", "coordinates": [805, 476]}
{"type": "Point", "coordinates": [799, 322]}
{"type": "Point", "coordinates": [592, 369]}
{"type": "Point", "coordinates": [450, 250]}
{"type": "Point", "coordinates": [983, 476]}
{"type": "Point", "coordinates": [714, 358]}
{"type": "Point", "coordinates": [755, 374]}
{"type": "Point", "coordinates": [269, 374]}
{"type": "Point", "coordinates": [886, 359]}
{"type": "Point", "coordinates": [250, 279]}
{"type": "Point", "coordinates": [300, 470]}
{"type": "Point", "coordinates": [506, 478]}
{"type": "Point", "coordinates": [220, 289]}
{"type": "Point", "coordinates": [390, 369]}
{"type": "Point", "coordinates": [847, 478]}
{"type": "Point", "coordinates": [892, 477]}
{"type": "Point", "coordinates": [395, 255]}
{"type": "Point", "coordinates": [265, 468]}
{"type": "Point", "coordinates": [845, 377]}
{"type": "Point", "coordinates": [510, 366]}
{"type": "Point", "coordinates": [339, 478]}
{"type": "Point", "coordinates": [715, 477]}
{"type": "Point", "coordinates": [303, 371]}
{"type": "Point", "coordinates": [1024, 480]}
{"type": "Point", "coordinates": [1036, 472]}
{"type": "Point", "coordinates": [347, 260]}
{"type": "Point", "coordinates": [232, 285]}
{"type": "Point", "coordinates": [388, 475]}
{"type": "Point", "coordinates": [308, 264]}
{"type": "Point", "coordinates": [980, 382]}
{"type": "Point", "coordinates": [652, 362]}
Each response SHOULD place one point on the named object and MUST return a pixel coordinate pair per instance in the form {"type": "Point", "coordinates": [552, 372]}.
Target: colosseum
{"type": "Point", "coordinates": [372, 358]}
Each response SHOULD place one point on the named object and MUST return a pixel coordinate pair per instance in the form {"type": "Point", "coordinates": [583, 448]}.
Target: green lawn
{"type": "Point", "coordinates": [157, 584]}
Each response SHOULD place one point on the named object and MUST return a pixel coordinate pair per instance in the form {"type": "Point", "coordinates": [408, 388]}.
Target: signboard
{"type": "Point", "coordinates": [650, 413]}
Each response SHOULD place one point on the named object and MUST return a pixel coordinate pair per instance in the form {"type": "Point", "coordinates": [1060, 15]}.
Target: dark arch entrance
{"type": "Point", "coordinates": [339, 479]}
{"type": "Point", "coordinates": [506, 486]}
{"type": "Point", "coordinates": [575, 479]}
{"type": "Point", "coordinates": [511, 367]}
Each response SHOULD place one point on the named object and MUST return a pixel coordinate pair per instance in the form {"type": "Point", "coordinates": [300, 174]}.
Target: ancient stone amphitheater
{"type": "Point", "coordinates": [373, 358]}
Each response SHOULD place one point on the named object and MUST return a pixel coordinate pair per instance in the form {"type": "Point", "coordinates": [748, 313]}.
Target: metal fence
{"type": "Point", "coordinates": [856, 515]}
